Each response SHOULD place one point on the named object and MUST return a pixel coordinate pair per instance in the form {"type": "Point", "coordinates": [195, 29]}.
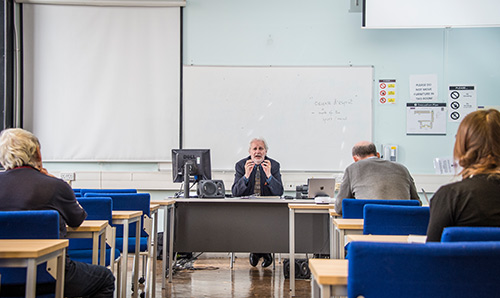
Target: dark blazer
{"type": "Point", "coordinates": [245, 188]}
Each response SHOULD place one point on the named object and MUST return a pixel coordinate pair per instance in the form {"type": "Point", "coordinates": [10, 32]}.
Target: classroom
{"type": "Point", "coordinates": [111, 87]}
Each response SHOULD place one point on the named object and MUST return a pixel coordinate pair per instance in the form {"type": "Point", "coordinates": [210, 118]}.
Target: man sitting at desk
{"type": "Point", "coordinates": [258, 175]}
{"type": "Point", "coordinates": [370, 177]}
{"type": "Point", "coordinates": [26, 185]}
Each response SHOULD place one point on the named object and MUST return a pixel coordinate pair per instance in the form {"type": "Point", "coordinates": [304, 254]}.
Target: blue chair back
{"type": "Point", "coordinates": [456, 234]}
{"type": "Point", "coordinates": [97, 208]}
{"type": "Point", "coordinates": [129, 201]}
{"type": "Point", "coordinates": [353, 208]}
{"type": "Point", "coordinates": [423, 270]}
{"type": "Point", "coordinates": [395, 220]}
{"type": "Point", "coordinates": [83, 191]}
{"type": "Point", "coordinates": [33, 224]}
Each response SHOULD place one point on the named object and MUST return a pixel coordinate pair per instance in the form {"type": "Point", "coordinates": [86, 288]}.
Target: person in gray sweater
{"type": "Point", "coordinates": [371, 177]}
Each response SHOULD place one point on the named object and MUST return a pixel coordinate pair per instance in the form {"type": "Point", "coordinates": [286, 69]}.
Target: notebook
{"type": "Point", "coordinates": [320, 187]}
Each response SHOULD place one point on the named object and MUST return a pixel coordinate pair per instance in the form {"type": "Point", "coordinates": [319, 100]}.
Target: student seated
{"type": "Point", "coordinates": [474, 201]}
{"type": "Point", "coordinates": [371, 177]}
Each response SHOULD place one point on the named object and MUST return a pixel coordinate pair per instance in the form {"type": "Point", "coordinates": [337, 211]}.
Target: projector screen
{"type": "Point", "coordinates": [102, 83]}
{"type": "Point", "coordinates": [430, 13]}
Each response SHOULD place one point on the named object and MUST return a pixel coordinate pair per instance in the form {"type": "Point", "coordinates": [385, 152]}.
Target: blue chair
{"type": "Point", "coordinates": [353, 208]}
{"type": "Point", "coordinates": [83, 191]}
{"type": "Point", "coordinates": [36, 224]}
{"type": "Point", "coordinates": [395, 220]}
{"type": "Point", "coordinates": [97, 208]}
{"type": "Point", "coordinates": [460, 234]}
{"type": "Point", "coordinates": [423, 270]}
{"type": "Point", "coordinates": [128, 202]}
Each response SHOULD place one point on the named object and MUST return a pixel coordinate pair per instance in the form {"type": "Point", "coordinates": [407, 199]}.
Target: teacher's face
{"type": "Point", "coordinates": [257, 151]}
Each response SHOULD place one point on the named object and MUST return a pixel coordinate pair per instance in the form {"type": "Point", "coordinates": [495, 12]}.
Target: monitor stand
{"type": "Point", "coordinates": [187, 170]}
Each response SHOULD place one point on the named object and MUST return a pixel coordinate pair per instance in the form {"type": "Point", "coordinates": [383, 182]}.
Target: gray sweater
{"type": "Point", "coordinates": [375, 178]}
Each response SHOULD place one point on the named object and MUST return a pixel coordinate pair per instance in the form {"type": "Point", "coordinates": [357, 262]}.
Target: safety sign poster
{"type": "Point", "coordinates": [462, 100]}
{"type": "Point", "coordinates": [386, 91]}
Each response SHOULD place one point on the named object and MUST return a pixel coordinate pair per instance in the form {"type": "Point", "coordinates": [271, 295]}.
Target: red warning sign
{"type": "Point", "coordinates": [382, 100]}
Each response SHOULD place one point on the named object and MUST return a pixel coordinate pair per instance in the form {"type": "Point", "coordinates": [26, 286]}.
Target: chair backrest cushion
{"type": "Point", "coordinates": [424, 270]}
{"type": "Point", "coordinates": [395, 220]}
{"type": "Point", "coordinates": [97, 208]}
{"type": "Point", "coordinates": [128, 201]}
{"type": "Point", "coordinates": [353, 208]}
{"type": "Point", "coordinates": [455, 234]}
{"type": "Point", "coordinates": [28, 224]}
{"type": "Point", "coordinates": [83, 191]}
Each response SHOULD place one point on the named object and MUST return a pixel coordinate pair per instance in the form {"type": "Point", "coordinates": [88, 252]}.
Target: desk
{"type": "Point", "coordinates": [328, 277]}
{"type": "Point", "coordinates": [125, 218]}
{"type": "Point", "coordinates": [32, 252]}
{"type": "Point", "coordinates": [247, 225]}
{"type": "Point", "coordinates": [301, 208]}
{"type": "Point", "coordinates": [92, 229]}
{"type": "Point", "coordinates": [167, 205]}
{"type": "Point", "coordinates": [344, 226]}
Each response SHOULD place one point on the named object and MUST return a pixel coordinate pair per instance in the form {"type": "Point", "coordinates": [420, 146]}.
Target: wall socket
{"type": "Point", "coordinates": [68, 176]}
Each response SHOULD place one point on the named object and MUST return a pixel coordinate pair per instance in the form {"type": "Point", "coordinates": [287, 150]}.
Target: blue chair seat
{"type": "Point", "coordinates": [143, 244]}
{"type": "Point", "coordinates": [84, 255]}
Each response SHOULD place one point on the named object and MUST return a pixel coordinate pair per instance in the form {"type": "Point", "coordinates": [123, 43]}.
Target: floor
{"type": "Point", "coordinates": [213, 277]}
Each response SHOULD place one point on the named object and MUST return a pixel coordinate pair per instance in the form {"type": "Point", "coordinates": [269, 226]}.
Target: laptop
{"type": "Point", "coordinates": [320, 187]}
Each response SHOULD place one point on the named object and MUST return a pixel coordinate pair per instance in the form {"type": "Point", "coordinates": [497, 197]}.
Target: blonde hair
{"type": "Point", "coordinates": [19, 147]}
{"type": "Point", "coordinates": [477, 144]}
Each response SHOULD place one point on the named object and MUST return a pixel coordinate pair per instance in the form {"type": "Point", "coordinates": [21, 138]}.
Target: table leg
{"type": "Point", "coordinates": [155, 251]}
{"type": "Point", "coordinates": [136, 259]}
{"type": "Point", "coordinates": [95, 248]}
{"type": "Point", "coordinates": [31, 279]}
{"type": "Point", "coordinates": [124, 260]}
{"type": "Point", "coordinates": [325, 291]}
{"type": "Point", "coordinates": [61, 261]}
{"type": "Point", "coordinates": [331, 231]}
{"type": "Point", "coordinates": [341, 244]}
{"type": "Point", "coordinates": [171, 244]}
{"type": "Point", "coordinates": [103, 250]}
{"type": "Point", "coordinates": [292, 250]}
{"type": "Point", "coordinates": [164, 252]}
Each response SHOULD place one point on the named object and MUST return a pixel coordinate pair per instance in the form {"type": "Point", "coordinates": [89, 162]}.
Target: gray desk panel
{"type": "Point", "coordinates": [246, 226]}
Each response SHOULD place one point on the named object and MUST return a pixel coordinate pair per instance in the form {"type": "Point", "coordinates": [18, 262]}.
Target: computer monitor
{"type": "Point", "coordinates": [196, 161]}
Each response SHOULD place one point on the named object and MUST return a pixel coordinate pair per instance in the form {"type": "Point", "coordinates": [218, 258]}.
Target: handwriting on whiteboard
{"type": "Point", "coordinates": [331, 110]}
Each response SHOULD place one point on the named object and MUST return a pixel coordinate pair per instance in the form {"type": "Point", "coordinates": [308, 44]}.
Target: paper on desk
{"type": "Point", "coordinates": [417, 238]}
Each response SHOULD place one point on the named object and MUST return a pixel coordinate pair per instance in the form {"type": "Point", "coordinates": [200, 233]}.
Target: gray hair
{"type": "Point", "coordinates": [259, 139]}
{"type": "Point", "coordinates": [18, 147]}
{"type": "Point", "coordinates": [363, 150]}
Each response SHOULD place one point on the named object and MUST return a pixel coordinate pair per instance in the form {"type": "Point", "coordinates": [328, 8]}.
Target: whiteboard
{"type": "Point", "coordinates": [310, 116]}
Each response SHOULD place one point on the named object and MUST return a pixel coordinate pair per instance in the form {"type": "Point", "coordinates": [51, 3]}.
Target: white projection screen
{"type": "Point", "coordinates": [102, 83]}
{"type": "Point", "coordinates": [388, 14]}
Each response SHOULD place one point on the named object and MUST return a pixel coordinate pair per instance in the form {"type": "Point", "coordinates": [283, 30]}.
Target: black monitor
{"type": "Point", "coordinates": [196, 161]}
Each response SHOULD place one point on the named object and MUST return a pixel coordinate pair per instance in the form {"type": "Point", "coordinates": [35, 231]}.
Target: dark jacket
{"type": "Point", "coordinates": [243, 187]}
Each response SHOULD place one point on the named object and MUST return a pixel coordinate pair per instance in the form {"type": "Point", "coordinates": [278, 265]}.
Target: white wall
{"type": "Point", "coordinates": [323, 32]}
